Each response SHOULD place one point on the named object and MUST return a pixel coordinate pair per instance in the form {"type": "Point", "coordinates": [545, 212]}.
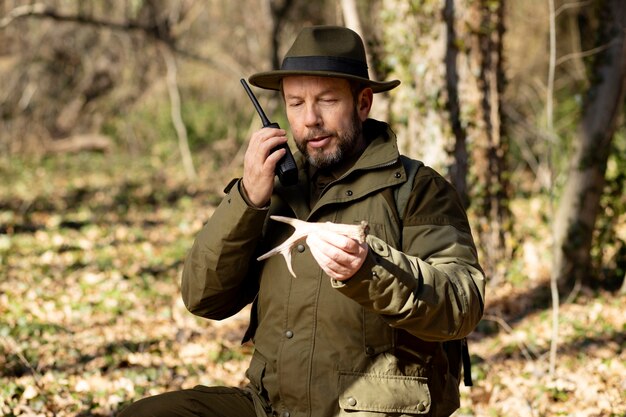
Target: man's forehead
{"type": "Point", "coordinates": [299, 83]}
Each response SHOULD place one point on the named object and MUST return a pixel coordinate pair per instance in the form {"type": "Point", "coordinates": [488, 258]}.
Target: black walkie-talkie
{"type": "Point", "coordinates": [286, 168]}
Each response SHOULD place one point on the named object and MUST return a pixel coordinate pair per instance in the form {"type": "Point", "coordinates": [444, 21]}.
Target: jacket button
{"type": "Point", "coordinates": [349, 193]}
{"type": "Point", "coordinates": [369, 351]}
{"type": "Point", "coordinates": [421, 407]}
{"type": "Point", "coordinates": [397, 175]}
{"type": "Point", "coordinates": [300, 248]}
{"type": "Point", "coordinates": [288, 334]}
{"type": "Point", "coordinates": [351, 401]}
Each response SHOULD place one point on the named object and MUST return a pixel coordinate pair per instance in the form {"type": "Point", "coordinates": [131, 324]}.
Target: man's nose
{"type": "Point", "coordinates": [312, 116]}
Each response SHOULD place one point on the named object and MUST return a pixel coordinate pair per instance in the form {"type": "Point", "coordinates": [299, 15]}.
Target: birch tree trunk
{"type": "Point", "coordinates": [580, 201]}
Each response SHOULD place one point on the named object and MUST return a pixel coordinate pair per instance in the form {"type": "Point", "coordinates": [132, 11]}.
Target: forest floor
{"type": "Point", "coordinates": [91, 251]}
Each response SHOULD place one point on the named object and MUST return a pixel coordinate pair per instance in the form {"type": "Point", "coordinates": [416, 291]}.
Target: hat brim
{"type": "Point", "coordinates": [270, 80]}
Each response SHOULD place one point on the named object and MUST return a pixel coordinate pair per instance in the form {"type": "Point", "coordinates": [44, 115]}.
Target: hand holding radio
{"type": "Point", "coordinates": [260, 163]}
{"type": "Point", "coordinates": [286, 168]}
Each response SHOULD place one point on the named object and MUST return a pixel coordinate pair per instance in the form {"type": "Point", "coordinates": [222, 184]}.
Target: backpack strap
{"type": "Point", "coordinates": [401, 196]}
{"type": "Point", "coordinates": [467, 364]}
{"type": "Point", "coordinates": [402, 193]}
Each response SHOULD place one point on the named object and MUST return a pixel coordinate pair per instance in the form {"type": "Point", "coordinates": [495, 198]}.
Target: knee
{"type": "Point", "coordinates": [147, 407]}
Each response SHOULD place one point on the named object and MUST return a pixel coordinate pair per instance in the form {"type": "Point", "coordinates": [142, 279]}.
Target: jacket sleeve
{"type": "Point", "coordinates": [434, 288]}
{"type": "Point", "coordinates": [216, 280]}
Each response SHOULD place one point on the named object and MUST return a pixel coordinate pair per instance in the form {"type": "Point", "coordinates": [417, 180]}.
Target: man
{"type": "Point", "coordinates": [360, 330]}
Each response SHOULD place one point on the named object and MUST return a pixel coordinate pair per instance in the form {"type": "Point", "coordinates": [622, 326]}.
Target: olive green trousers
{"type": "Point", "coordinates": [200, 401]}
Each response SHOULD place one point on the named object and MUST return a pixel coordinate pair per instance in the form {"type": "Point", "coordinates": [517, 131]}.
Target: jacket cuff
{"type": "Point", "coordinates": [382, 281]}
{"type": "Point", "coordinates": [236, 195]}
{"type": "Point", "coordinates": [244, 195]}
{"type": "Point", "coordinates": [371, 266]}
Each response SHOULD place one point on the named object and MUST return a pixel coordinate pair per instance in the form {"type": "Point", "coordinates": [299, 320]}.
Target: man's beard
{"type": "Point", "coordinates": [347, 143]}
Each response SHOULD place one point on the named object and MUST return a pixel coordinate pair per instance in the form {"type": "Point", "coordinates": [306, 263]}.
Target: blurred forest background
{"type": "Point", "coordinates": [122, 120]}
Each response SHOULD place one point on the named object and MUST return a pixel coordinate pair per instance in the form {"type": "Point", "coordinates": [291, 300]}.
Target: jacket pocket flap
{"type": "Point", "coordinates": [383, 393]}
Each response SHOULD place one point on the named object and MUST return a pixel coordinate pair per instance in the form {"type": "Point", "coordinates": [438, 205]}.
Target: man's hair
{"type": "Point", "coordinates": [356, 87]}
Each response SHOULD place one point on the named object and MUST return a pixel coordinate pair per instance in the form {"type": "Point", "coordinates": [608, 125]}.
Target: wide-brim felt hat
{"type": "Point", "coordinates": [324, 51]}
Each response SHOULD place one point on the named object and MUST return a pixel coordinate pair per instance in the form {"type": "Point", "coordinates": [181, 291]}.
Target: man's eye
{"type": "Point", "coordinates": [295, 103]}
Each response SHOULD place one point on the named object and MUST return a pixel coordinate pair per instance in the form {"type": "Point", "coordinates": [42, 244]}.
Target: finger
{"type": "Point", "coordinates": [268, 132]}
{"type": "Point", "coordinates": [328, 265]}
{"type": "Point", "coordinates": [339, 248]}
{"type": "Point", "coordinates": [259, 151]}
{"type": "Point", "coordinates": [327, 250]}
{"type": "Point", "coordinates": [264, 135]}
{"type": "Point", "coordinates": [264, 139]}
{"type": "Point", "coordinates": [274, 157]}
{"type": "Point", "coordinates": [335, 262]}
{"type": "Point", "coordinates": [339, 241]}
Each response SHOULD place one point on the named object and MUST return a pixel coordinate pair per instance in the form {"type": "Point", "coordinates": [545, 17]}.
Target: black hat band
{"type": "Point", "coordinates": [325, 63]}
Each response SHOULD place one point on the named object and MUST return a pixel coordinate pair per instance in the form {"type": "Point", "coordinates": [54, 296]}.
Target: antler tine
{"type": "Point", "coordinates": [303, 229]}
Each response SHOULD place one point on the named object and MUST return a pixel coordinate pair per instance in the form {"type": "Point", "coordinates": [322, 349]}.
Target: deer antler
{"type": "Point", "coordinates": [303, 229]}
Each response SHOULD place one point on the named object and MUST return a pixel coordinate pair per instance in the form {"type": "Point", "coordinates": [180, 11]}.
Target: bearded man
{"type": "Point", "coordinates": [368, 327]}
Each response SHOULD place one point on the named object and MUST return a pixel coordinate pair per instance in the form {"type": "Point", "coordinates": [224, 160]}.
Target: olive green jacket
{"type": "Point", "coordinates": [369, 346]}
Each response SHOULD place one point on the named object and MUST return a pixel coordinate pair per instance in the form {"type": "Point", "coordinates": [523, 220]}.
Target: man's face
{"type": "Point", "coordinates": [325, 118]}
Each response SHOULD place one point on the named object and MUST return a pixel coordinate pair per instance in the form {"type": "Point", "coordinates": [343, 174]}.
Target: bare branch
{"type": "Point", "coordinates": [175, 111]}
{"type": "Point", "coordinates": [571, 6]}
{"type": "Point", "coordinates": [22, 11]}
{"type": "Point", "coordinates": [10, 345]}
{"type": "Point", "coordinates": [554, 340]}
{"type": "Point", "coordinates": [584, 54]}
{"type": "Point", "coordinates": [42, 11]}
{"type": "Point", "coordinates": [528, 352]}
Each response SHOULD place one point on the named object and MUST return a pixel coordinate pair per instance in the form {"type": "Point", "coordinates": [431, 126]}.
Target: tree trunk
{"type": "Point", "coordinates": [278, 12]}
{"type": "Point", "coordinates": [353, 21]}
{"type": "Point", "coordinates": [490, 197]}
{"type": "Point", "coordinates": [439, 106]}
{"type": "Point", "coordinates": [413, 37]}
{"type": "Point", "coordinates": [459, 168]}
{"type": "Point", "coordinates": [580, 202]}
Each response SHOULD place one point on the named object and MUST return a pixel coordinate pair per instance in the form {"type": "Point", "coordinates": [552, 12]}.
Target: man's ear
{"type": "Point", "coordinates": [364, 103]}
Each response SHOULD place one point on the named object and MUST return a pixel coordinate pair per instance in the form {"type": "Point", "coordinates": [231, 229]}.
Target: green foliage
{"type": "Point", "coordinates": [141, 126]}
{"type": "Point", "coordinates": [148, 127]}
{"type": "Point", "coordinates": [213, 119]}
